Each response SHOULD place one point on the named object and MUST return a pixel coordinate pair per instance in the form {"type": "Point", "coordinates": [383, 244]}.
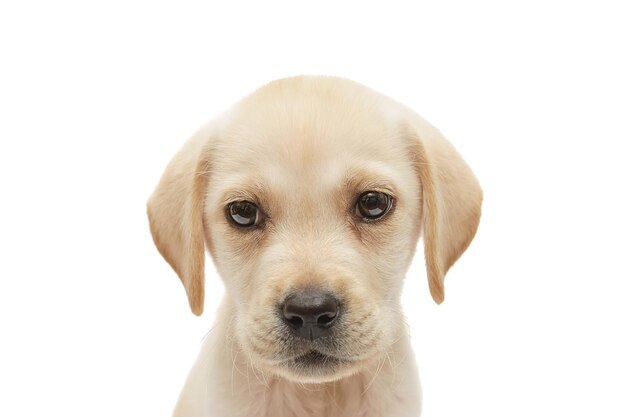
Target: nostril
{"type": "Point", "coordinates": [326, 319]}
{"type": "Point", "coordinates": [294, 321]}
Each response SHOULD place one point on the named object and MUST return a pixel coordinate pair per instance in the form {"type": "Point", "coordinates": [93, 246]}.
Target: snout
{"type": "Point", "coordinates": [314, 333]}
{"type": "Point", "coordinates": [310, 313]}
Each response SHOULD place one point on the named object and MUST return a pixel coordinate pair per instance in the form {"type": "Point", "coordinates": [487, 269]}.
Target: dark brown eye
{"type": "Point", "coordinates": [244, 213]}
{"type": "Point", "coordinates": [373, 205]}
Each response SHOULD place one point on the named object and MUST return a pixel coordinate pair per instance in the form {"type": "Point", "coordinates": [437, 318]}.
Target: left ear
{"type": "Point", "coordinates": [451, 200]}
{"type": "Point", "coordinates": [175, 215]}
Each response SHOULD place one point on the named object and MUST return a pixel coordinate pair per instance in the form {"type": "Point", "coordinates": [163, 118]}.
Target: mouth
{"type": "Point", "coordinates": [315, 366]}
{"type": "Point", "coordinates": [316, 359]}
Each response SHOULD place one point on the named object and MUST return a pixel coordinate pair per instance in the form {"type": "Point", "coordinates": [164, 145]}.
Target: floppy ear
{"type": "Point", "coordinates": [175, 216]}
{"type": "Point", "coordinates": [451, 198]}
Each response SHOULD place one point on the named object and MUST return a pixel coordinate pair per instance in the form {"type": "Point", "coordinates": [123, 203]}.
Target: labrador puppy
{"type": "Point", "coordinates": [310, 195]}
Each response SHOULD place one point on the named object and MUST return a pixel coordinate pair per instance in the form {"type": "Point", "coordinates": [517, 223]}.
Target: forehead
{"type": "Point", "coordinates": [304, 131]}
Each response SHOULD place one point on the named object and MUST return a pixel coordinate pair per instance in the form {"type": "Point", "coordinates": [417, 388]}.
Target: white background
{"type": "Point", "coordinates": [95, 97]}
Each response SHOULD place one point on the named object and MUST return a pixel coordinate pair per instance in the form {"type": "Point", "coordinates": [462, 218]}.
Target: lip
{"type": "Point", "coordinates": [316, 359]}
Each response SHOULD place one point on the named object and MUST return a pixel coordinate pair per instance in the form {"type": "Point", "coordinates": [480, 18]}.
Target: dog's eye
{"type": "Point", "coordinates": [244, 213]}
{"type": "Point", "coordinates": [373, 205]}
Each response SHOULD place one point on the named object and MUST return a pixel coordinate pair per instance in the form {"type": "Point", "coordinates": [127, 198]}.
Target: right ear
{"type": "Point", "coordinates": [175, 216]}
{"type": "Point", "coordinates": [451, 198]}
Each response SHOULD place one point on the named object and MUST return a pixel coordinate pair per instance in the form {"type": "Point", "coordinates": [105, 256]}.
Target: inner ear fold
{"type": "Point", "coordinates": [451, 198]}
{"type": "Point", "coordinates": [175, 214]}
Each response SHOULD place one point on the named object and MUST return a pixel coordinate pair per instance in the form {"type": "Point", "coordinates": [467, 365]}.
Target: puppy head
{"type": "Point", "coordinates": [311, 194]}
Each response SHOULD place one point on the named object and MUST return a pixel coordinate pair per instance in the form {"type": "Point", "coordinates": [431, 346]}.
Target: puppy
{"type": "Point", "coordinates": [310, 195]}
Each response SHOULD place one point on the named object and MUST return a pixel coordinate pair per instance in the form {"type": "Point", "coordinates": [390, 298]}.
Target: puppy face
{"type": "Point", "coordinates": [304, 161]}
{"type": "Point", "coordinates": [311, 194]}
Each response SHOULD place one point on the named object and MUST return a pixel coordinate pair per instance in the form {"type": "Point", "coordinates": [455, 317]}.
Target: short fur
{"type": "Point", "coordinates": [303, 149]}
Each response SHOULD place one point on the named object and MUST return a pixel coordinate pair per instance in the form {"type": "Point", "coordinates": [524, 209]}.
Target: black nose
{"type": "Point", "coordinates": [310, 313]}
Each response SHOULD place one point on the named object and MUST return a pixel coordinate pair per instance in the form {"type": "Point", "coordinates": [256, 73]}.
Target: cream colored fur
{"type": "Point", "coordinates": [303, 149]}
